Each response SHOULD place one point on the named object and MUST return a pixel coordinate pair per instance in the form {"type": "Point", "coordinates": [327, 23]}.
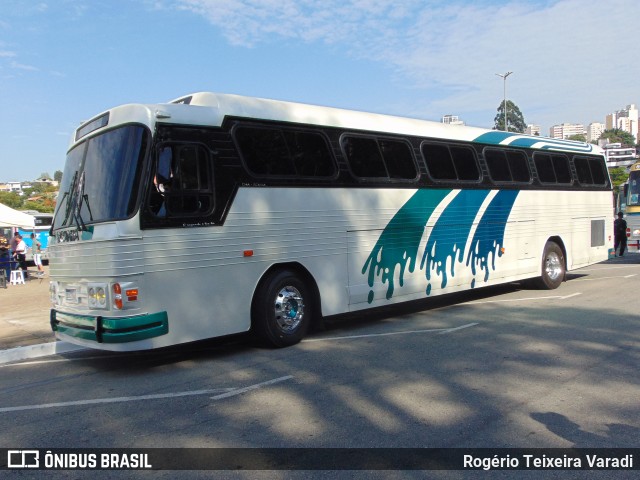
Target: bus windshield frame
{"type": "Point", "coordinates": [633, 194]}
{"type": "Point", "coordinates": [101, 179]}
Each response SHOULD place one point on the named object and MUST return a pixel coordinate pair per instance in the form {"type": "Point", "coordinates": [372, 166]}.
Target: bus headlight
{"type": "Point", "coordinates": [636, 232]}
{"type": "Point", "coordinates": [97, 295]}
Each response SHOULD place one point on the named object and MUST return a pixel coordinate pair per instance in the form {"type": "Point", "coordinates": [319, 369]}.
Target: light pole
{"type": "Point", "coordinates": [504, 79]}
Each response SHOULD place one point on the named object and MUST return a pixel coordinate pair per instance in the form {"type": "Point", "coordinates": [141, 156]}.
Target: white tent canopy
{"type": "Point", "coordinates": [13, 218]}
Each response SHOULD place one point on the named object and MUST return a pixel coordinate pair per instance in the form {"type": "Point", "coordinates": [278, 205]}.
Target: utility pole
{"type": "Point", "coordinates": [504, 79]}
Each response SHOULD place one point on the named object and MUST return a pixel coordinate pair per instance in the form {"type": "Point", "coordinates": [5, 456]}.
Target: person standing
{"type": "Point", "coordinates": [36, 250]}
{"type": "Point", "coordinates": [5, 255]}
{"type": "Point", "coordinates": [20, 254]}
{"type": "Point", "coordinates": [619, 234]}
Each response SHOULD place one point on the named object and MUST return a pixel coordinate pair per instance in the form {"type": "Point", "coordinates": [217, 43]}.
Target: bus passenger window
{"type": "Point", "coordinates": [364, 157]}
{"type": "Point", "coordinates": [561, 167]}
{"type": "Point", "coordinates": [519, 166]}
{"type": "Point", "coordinates": [464, 159]}
{"type": "Point", "coordinates": [439, 161]}
{"type": "Point", "coordinates": [398, 159]}
{"type": "Point", "coordinates": [597, 172]}
{"type": "Point", "coordinates": [497, 164]}
{"type": "Point", "coordinates": [264, 151]}
{"type": "Point", "coordinates": [311, 154]}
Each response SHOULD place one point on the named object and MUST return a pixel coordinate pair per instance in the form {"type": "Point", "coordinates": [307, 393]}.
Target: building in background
{"type": "Point", "coordinates": [566, 130]}
{"type": "Point", "coordinates": [626, 120]}
{"type": "Point", "coordinates": [618, 156]}
{"type": "Point", "coordinates": [594, 130]}
{"type": "Point", "coordinates": [533, 130]}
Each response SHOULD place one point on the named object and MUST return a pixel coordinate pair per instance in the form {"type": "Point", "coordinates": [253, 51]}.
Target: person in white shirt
{"type": "Point", "coordinates": [20, 254]}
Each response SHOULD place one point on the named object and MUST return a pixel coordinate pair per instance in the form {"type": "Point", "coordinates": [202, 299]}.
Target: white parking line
{"type": "Point", "coordinates": [386, 334]}
{"type": "Point", "coordinates": [240, 391]}
{"type": "Point", "coordinates": [227, 392]}
{"type": "Point", "coordinates": [602, 278]}
{"type": "Point", "coordinates": [112, 400]}
{"type": "Point", "coordinates": [511, 300]}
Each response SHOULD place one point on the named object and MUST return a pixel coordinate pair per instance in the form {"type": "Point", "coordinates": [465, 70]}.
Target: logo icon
{"type": "Point", "coordinates": [23, 459]}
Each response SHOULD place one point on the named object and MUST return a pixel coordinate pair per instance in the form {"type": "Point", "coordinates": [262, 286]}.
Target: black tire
{"type": "Point", "coordinates": [282, 309]}
{"type": "Point", "coordinates": [553, 268]}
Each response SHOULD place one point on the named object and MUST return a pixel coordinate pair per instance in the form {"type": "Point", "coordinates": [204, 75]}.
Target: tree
{"type": "Point", "coordinates": [11, 199]}
{"type": "Point", "coordinates": [619, 175]}
{"type": "Point", "coordinates": [515, 119]}
{"type": "Point", "coordinates": [577, 137]}
{"type": "Point", "coordinates": [57, 176]}
{"type": "Point", "coordinates": [615, 135]}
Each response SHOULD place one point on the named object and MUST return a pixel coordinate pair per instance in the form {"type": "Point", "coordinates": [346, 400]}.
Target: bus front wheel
{"type": "Point", "coordinates": [553, 267]}
{"type": "Point", "coordinates": [282, 309]}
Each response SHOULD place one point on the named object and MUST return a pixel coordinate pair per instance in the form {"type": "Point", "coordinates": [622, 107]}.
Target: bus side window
{"type": "Point", "coordinates": [364, 157]}
{"type": "Point", "coordinates": [182, 182]}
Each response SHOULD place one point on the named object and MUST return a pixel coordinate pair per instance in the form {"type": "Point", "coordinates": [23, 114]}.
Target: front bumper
{"type": "Point", "coordinates": [110, 330]}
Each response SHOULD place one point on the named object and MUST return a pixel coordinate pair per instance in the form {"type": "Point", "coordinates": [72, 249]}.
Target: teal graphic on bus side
{"type": "Point", "coordinates": [398, 244]}
{"type": "Point", "coordinates": [448, 238]}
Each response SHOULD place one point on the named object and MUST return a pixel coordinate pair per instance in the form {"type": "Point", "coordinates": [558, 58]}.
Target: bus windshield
{"type": "Point", "coordinates": [633, 197]}
{"type": "Point", "coordinates": [101, 178]}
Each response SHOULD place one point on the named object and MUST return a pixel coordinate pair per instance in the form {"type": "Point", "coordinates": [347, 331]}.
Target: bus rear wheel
{"type": "Point", "coordinates": [553, 267]}
{"type": "Point", "coordinates": [282, 309]}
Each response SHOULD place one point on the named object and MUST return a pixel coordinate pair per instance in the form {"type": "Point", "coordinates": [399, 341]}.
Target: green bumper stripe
{"type": "Point", "coordinates": [110, 330]}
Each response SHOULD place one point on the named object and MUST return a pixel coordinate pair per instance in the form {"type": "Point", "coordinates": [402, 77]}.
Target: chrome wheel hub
{"type": "Point", "coordinates": [289, 309]}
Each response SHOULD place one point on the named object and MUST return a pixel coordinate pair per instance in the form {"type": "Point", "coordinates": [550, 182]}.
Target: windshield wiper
{"type": "Point", "coordinates": [81, 197]}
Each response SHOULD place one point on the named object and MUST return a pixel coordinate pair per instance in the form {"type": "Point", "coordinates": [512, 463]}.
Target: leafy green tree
{"type": "Point", "coordinates": [42, 206]}
{"type": "Point", "coordinates": [11, 199]}
{"type": "Point", "coordinates": [618, 175]}
{"type": "Point", "coordinates": [578, 137]}
{"type": "Point", "coordinates": [615, 135]}
{"type": "Point", "coordinates": [57, 176]}
{"type": "Point", "coordinates": [515, 119]}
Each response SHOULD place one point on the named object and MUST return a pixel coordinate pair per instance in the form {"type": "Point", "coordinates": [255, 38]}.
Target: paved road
{"type": "Point", "coordinates": [501, 367]}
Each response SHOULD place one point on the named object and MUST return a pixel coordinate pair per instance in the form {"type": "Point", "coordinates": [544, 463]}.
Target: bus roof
{"type": "Point", "coordinates": [211, 109]}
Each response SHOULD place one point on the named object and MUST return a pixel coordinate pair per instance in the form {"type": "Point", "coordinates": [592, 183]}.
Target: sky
{"type": "Point", "coordinates": [64, 61]}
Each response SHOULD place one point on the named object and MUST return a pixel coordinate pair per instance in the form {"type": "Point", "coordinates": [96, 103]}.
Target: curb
{"type": "Point", "coordinates": [36, 351]}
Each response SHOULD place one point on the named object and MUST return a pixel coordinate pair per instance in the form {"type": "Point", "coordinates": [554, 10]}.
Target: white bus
{"type": "Point", "coordinates": [218, 214]}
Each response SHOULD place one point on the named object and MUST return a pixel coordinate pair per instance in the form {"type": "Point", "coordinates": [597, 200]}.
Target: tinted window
{"type": "Point", "coordinates": [598, 171]}
{"type": "Point", "coordinates": [507, 165]}
{"type": "Point", "coordinates": [182, 183]}
{"type": "Point", "coordinates": [310, 152]}
{"type": "Point", "coordinates": [398, 159]}
{"type": "Point", "coordinates": [583, 170]}
{"type": "Point", "coordinates": [552, 168]}
{"type": "Point", "coordinates": [497, 165]}
{"type": "Point", "coordinates": [379, 158]}
{"type": "Point", "coordinates": [519, 166]}
{"type": "Point", "coordinates": [590, 171]}
{"type": "Point", "coordinates": [562, 169]}
{"type": "Point", "coordinates": [464, 159]}
{"type": "Point", "coordinates": [450, 162]}
{"type": "Point", "coordinates": [364, 157]}
{"type": "Point", "coordinates": [264, 150]}
{"type": "Point", "coordinates": [284, 152]}
{"type": "Point", "coordinates": [439, 161]}
{"type": "Point", "coordinates": [544, 168]}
